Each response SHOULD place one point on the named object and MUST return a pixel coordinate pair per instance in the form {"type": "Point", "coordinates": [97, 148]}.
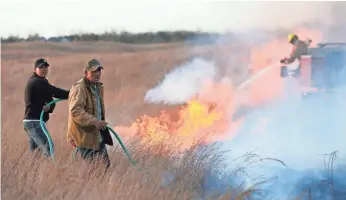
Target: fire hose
{"type": "Point", "coordinates": [50, 142]}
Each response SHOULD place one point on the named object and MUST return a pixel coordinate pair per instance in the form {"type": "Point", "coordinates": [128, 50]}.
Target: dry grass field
{"type": "Point", "coordinates": [130, 70]}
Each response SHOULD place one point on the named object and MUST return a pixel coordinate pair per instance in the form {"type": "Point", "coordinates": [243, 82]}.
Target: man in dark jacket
{"type": "Point", "coordinates": [38, 93]}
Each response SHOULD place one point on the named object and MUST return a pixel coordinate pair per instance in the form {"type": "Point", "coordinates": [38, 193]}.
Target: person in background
{"type": "Point", "coordinates": [87, 128]}
{"type": "Point", "coordinates": [300, 48]}
{"type": "Point", "coordinates": [38, 93]}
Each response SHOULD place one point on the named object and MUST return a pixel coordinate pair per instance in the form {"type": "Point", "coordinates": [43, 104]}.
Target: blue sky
{"type": "Point", "coordinates": [60, 17]}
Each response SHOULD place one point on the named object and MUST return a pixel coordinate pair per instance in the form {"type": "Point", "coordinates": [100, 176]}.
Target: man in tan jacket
{"type": "Point", "coordinates": [87, 130]}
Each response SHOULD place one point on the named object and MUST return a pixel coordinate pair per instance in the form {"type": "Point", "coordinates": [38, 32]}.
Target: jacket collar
{"type": "Point", "coordinates": [34, 75]}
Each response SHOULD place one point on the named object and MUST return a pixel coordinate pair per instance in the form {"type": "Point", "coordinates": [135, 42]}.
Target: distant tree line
{"type": "Point", "coordinates": [124, 37]}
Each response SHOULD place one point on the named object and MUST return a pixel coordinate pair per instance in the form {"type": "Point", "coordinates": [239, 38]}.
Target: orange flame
{"type": "Point", "coordinates": [209, 112]}
{"type": "Point", "coordinates": [206, 113]}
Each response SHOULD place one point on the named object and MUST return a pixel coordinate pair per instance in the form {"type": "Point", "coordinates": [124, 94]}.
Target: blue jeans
{"type": "Point", "coordinates": [37, 138]}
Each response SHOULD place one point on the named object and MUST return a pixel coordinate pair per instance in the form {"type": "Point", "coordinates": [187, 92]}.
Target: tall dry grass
{"type": "Point", "coordinates": [30, 176]}
{"type": "Point", "coordinates": [129, 72]}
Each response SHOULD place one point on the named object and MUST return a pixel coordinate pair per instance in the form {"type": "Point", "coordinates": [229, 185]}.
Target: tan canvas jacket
{"type": "Point", "coordinates": [82, 116]}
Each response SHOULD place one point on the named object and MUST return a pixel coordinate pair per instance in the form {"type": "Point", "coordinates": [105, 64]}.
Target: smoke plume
{"type": "Point", "coordinates": [182, 83]}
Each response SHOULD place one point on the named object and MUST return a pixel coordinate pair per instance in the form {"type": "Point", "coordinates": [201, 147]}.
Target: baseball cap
{"type": "Point", "coordinates": [41, 62]}
{"type": "Point", "coordinates": [93, 65]}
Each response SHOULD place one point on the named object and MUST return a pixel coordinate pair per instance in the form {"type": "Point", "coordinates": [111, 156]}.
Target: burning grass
{"type": "Point", "coordinates": [26, 176]}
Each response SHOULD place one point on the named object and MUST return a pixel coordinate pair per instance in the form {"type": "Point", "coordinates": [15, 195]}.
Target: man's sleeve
{"type": "Point", "coordinates": [77, 101]}
{"type": "Point", "coordinates": [55, 91]}
{"type": "Point", "coordinates": [293, 56]}
{"type": "Point", "coordinates": [60, 93]}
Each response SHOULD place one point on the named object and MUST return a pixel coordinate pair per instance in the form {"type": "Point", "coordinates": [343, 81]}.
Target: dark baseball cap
{"type": "Point", "coordinates": [93, 65]}
{"type": "Point", "coordinates": [41, 62]}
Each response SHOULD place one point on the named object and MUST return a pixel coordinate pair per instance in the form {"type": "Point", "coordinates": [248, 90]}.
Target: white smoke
{"type": "Point", "coordinates": [182, 83]}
